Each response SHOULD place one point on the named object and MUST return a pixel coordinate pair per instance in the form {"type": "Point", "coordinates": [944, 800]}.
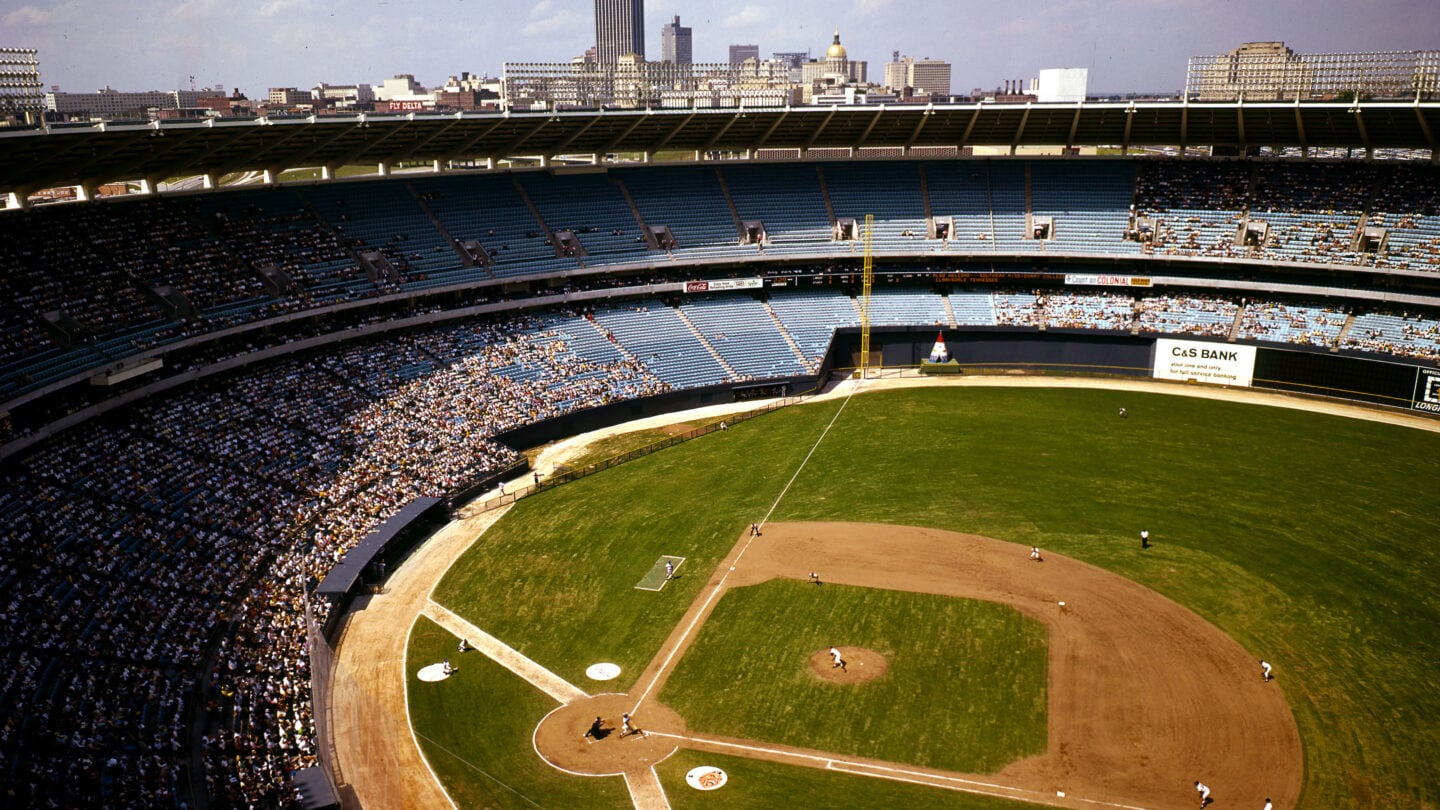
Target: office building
{"type": "Point", "coordinates": [922, 77]}
{"type": "Point", "coordinates": [675, 43]}
{"type": "Point", "coordinates": [619, 30]}
{"type": "Point", "coordinates": [1061, 85]}
{"type": "Point", "coordinates": [739, 53]}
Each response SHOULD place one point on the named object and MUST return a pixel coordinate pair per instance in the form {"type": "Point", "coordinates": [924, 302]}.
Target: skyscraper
{"type": "Point", "coordinates": [675, 43]}
{"type": "Point", "coordinates": [619, 30]}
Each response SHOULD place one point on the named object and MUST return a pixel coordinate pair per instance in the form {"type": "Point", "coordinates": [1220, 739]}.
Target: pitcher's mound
{"type": "Point", "coordinates": [861, 665]}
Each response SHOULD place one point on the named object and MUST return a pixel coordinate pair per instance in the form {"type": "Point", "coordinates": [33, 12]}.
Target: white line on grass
{"type": "Point", "coordinates": [840, 764]}
{"type": "Point", "coordinates": [798, 470]}
{"type": "Point", "coordinates": [720, 586]}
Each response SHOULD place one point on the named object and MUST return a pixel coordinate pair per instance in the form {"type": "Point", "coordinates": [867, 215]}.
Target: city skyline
{"type": "Point", "coordinates": [160, 44]}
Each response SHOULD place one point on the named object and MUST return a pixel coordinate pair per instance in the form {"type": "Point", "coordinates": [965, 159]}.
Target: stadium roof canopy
{"type": "Point", "coordinates": [101, 153]}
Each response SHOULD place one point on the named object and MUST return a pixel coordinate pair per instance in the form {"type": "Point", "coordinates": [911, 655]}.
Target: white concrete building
{"type": "Point", "coordinates": [1061, 85]}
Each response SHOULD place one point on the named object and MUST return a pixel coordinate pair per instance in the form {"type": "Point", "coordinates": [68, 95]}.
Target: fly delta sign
{"type": "Point", "coordinates": [1213, 363]}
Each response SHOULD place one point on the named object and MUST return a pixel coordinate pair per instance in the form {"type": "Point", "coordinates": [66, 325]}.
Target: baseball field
{"type": "Point", "coordinates": [1104, 675]}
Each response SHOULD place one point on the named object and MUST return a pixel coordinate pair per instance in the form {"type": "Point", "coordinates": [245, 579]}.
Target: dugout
{"type": "Point", "coordinates": [377, 555]}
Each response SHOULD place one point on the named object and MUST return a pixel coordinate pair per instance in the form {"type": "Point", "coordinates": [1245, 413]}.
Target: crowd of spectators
{"type": "Point", "coordinates": [1291, 323]}
{"type": "Point", "coordinates": [1291, 211]}
{"type": "Point", "coordinates": [155, 561]}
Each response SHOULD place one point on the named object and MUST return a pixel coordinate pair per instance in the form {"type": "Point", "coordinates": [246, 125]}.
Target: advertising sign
{"type": "Point", "coordinates": [1427, 390]}
{"type": "Point", "coordinates": [1198, 361]}
{"type": "Point", "coordinates": [1108, 281]}
{"type": "Point", "coordinates": [721, 285]}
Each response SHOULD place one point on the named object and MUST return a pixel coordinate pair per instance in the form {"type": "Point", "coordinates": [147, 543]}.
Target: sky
{"type": "Point", "coordinates": [1128, 45]}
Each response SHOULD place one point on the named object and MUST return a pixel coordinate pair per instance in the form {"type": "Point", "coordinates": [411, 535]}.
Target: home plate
{"type": "Point", "coordinates": [432, 673]}
{"type": "Point", "coordinates": [603, 672]}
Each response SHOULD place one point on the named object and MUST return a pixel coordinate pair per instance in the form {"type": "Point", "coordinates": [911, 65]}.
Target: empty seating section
{"type": "Point", "coordinates": [960, 191]}
{"type": "Point", "coordinates": [1289, 323]}
{"type": "Point", "coordinates": [896, 307]}
{"type": "Point", "coordinates": [1088, 203]}
{"type": "Point", "coordinates": [1404, 335]}
{"type": "Point", "coordinates": [812, 316]}
{"type": "Point", "coordinates": [972, 308]}
{"type": "Point", "coordinates": [487, 209]}
{"type": "Point", "coordinates": [888, 191]}
{"type": "Point", "coordinates": [654, 334]}
{"type": "Point", "coordinates": [1007, 196]}
{"type": "Point", "coordinates": [591, 208]}
{"type": "Point", "coordinates": [384, 217]}
{"type": "Point", "coordinates": [744, 334]}
{"type": "Point", "coordinates": [1187, 315]}
{"type": "Point", "coordinates": [689, 201]}
{"type": "Point", "coordinates": [787, 199]}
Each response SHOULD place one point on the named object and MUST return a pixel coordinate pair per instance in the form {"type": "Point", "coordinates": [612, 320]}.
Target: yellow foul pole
{"type": "Point", "coordinates": [869, 279]}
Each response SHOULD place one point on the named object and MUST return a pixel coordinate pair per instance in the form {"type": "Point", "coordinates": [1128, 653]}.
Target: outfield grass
{"type": "Point", "coordinates": [755, 783]}
{"type": "Point", "coordinates": [1307, 537]}
{"type": "Point", "coordinates": [966, 688]}
{"type": "Point", "coordinates": [475, 729]}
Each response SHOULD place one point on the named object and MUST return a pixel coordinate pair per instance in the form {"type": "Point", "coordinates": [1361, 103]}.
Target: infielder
{"type": "Point", "coordinates": [1265, 670]}
{"type": "Point", "coordinates": [1204, 791]}
{"type": "Point", "coordinates": [839, 662]}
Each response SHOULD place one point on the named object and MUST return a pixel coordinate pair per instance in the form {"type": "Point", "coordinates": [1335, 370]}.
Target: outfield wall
{"type": "Point", "coordinates": [1316, 371]}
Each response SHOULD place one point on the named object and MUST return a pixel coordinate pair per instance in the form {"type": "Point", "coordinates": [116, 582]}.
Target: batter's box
{"type": "Point", "coordinates": [658, 574]}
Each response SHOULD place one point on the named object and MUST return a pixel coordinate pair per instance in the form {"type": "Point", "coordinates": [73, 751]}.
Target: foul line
{"type": "Point", "coordinates": [719, 587]}
{"type": "Point", "coordinates": [813, 448]}
{"type": "Point", "coordinates": [836, 763]}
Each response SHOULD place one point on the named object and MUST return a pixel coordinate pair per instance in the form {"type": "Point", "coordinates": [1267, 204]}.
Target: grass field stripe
{"type": "Point", "coordinates": [505, 655]}
{"type": "Point", "coordinates": [719, 587]}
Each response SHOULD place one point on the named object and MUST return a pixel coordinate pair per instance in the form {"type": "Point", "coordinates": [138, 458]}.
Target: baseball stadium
{"type": "Point", "coordinates": [1068, 455]}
